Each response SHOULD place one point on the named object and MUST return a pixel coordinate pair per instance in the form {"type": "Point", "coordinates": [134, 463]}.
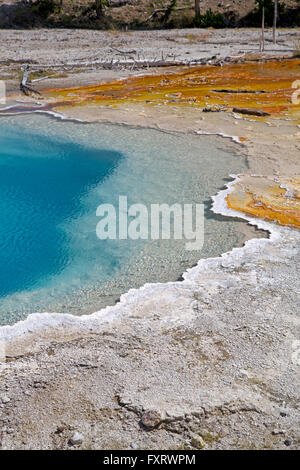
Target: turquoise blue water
{"type": "Point", "coordinates": [42, 182]}
{"type": "Point", "coordinates": [53, 176]}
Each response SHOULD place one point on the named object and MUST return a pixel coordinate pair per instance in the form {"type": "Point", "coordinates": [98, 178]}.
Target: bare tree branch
{"type": "Point", "coordinates": [275, 20]}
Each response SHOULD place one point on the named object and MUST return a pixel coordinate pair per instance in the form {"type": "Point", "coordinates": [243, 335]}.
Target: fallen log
{"type": "Point", "coordinates": [125, 63]}
{"type": "Point", "coordinates": [211, 110]}
{"type": "Point", "coordinates": [133, 51]}
{"type": "Point", "coordinates": [239, 91]}
{"type": "Point", "coordinates": [251, 112]}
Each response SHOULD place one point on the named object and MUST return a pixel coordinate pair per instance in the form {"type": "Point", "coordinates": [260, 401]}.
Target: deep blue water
{"type": "Point", "coordinates": [53, 176]}
{"type": "Point", "coordinates": [42, 185]}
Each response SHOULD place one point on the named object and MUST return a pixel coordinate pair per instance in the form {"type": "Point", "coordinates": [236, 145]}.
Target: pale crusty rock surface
{"type": "Point", "coordinates": [75, 55]}
{"type": "Point", "coordinates": [216, 356]}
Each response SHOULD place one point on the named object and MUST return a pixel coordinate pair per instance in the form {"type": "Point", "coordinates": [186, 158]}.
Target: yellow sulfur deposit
{"type": "Point", "coordinates": [265, 85]}
{"type": "Point", "coordinates": [258, 85]}
{"type": "Point", "coordinates": [278, 200]}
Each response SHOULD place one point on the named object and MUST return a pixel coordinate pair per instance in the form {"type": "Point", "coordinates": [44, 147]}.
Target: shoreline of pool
{"type": "Point", "coordinates": [36, 322]}
{"type": "Point", "coordinates": [215, 355]}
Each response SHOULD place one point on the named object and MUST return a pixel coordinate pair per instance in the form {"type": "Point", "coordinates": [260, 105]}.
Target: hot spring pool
{"type": "Point", "coordinates": [53, 176]}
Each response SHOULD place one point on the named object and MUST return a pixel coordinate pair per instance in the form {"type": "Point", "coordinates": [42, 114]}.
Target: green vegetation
{"type": "Point", "coordinates": [210, 20]}
{"type": "Point", "coordinates": [169, 10]}
{"type": "Point", "coordinates": [102, 14]}
{"type": "Point", "coordinates": [44, 8]}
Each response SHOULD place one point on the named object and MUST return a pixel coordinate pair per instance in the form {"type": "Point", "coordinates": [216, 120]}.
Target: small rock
{"type": "Point", "coordinates": [251, 112]}
{"type": "Point", "coordinates": [283, 413]}
{"type": "Point", "coordinates": [134, 446]}
{"type": "Point", "coordinates": [76, 439]}
{"type": "Point", "coordinates": [151, 419]}
{"type": "Point", "coordinates": [287, 442]}
{"type": "Point", "coordinates": [5, 399]}
{"type": "Point", "coordinates": [275, 432]}
{"type": "Point", "coordinates": [60, 429]}
{"type": "Point", "coordinates": [198, 442]}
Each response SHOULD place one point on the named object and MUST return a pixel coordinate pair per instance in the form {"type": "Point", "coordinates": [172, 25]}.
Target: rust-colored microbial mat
{"type": "Point", "coordinates": [277, 201]}
{"type": "Point", "coordinates": [261, 85]}
{"type": "Point", "coordinates": [269, 86]}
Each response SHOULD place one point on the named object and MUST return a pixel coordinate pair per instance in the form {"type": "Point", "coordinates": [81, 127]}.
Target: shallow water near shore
{"type": "Point", "coordinates": [54, 175]}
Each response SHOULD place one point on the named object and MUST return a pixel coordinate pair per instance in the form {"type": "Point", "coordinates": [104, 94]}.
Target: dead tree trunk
{"type": "Point", "coordinates": [262, 44]}
{"type": "Point", "coordinates": [197, 8]}
{"type": "Point", "coordinates": [275, 20]}
{"type": "Point", "coordinates": [27, 90]}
